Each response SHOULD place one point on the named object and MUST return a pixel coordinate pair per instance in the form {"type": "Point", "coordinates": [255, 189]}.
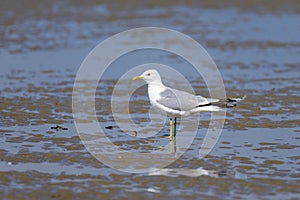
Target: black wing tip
{"type": "Point", "coordinates": [232, 102]}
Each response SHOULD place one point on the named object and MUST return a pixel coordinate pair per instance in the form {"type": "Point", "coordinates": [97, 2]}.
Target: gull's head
{"type": "Point", "coordinates": [150, 76]}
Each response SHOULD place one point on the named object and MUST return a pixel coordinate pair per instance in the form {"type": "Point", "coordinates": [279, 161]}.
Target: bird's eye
{"type": "Point", "coordinates": [148, 74]}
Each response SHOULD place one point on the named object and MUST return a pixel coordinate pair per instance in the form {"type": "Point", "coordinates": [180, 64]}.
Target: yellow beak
{"type": "Point", "coordinates": [136, 78]}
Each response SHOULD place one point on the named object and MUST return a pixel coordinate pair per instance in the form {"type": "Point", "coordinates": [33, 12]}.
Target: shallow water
{"type": "Point", "coordinates": [256, 47]}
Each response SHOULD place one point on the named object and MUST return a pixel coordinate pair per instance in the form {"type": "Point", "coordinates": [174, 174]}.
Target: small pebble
{"type": "Point", "coordinates": [109, 127]}
{"type": "Point", "coordinates": [58, 127]}
{"type": "Point", "coordinates": [134, 133]}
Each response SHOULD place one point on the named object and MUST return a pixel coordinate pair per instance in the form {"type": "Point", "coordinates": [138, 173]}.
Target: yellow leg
{"type": "Point", "coordinates": [171, 132]}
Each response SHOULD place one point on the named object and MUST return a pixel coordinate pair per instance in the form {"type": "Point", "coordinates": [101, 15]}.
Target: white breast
{"type": "Point", "coordinates": [153, 92]}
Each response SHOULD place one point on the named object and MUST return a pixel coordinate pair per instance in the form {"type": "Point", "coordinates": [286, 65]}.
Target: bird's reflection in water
{"type": "Point", "coordinates": [185, 172]}
{"type": "Point", "coordinates": [173, 146]}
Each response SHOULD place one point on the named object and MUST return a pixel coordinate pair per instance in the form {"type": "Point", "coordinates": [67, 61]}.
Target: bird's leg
{"type": "Point", "coordinates": [175, 127]}
{"type": "Point", "coordinates": [171, 129]}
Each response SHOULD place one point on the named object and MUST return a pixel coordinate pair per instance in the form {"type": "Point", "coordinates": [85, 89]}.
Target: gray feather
{"type": "Point", "coordinates": [180, 100]}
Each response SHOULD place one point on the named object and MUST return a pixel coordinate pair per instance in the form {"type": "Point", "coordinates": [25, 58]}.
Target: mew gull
{"type": "Point", "coordinates": [177, 103]}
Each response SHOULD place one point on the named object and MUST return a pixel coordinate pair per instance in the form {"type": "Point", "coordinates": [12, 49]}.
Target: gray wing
{"type": "Point", "coordinates": [180, 100]}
